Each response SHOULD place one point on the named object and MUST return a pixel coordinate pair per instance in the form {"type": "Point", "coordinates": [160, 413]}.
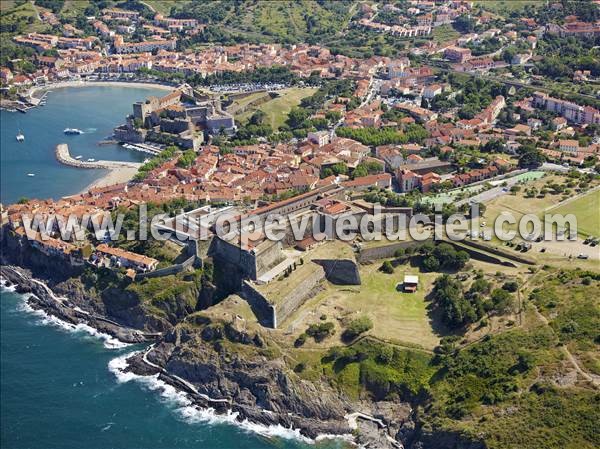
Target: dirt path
{"type": "Point", "coordinates": [593, 378]}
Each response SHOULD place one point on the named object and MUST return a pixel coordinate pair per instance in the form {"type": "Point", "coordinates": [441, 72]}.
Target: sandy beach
{"type": "Point", "coordinates": [62, 84]}
{"type": "Point", "coordinates": [113, 176]}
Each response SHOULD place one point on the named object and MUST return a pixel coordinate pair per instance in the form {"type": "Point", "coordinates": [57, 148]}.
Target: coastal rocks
{"type": "Point", "coordinates": [41, 297]}
{"type": "Point", "coordinates": [259, 389]}
{"type": "Point", "coordinates": [127, 308]}
{"type": "Point", "coordinates": [18, 251]}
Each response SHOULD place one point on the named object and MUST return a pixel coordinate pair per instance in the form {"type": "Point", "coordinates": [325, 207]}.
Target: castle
{"type": "Point", "coordinates": [176, 118]}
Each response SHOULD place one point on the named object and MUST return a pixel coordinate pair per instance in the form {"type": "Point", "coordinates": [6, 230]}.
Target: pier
{"type": "Point", "coordinates": [64, 157]}
{"type": "Point", "coordinates": [144, 148]}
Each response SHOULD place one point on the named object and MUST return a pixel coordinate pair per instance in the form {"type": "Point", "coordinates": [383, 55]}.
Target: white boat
{"type": "Point", "coordinates": [72, 131]}
{"type": "Point", "coordinates": [20, 137]}
{"type": "Point", "coordinates": [78, 157]}
{"type": "Point", "coordinates": [30, 174]}
{"type": "Point", "coordinates": [91, 160]}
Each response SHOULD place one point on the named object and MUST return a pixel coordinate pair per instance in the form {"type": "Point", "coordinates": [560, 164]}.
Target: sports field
{"type": "Point", "coordinates": [587, 211]}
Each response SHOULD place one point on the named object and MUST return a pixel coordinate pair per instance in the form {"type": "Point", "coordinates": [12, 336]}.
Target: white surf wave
{"type": "Point", "coordinates": [192, 414]}
{"type": "Point", "coordinates": [9, 288]}
{"type": "Point", "coordinates": [178, 400]}
{"type": "Point", "coordinates": [45, 319]}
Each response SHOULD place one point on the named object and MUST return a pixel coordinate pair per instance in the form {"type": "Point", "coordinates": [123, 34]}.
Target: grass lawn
{"type": "Point", "coordinates": [243, 100]}
{"type": "Point", "coordinates": [507, 5]}
{"type": "Point", "coordinates": [399, 318]}
{"type": "Point", "coordinates": [11, 12]}
{"type": "Point", "coordinates": [445, 33]}
{"type": "Point", "coordinates": [278, 108]}
{"type": "Point", "coordinates": [587, 211]}
{"type": "Point", "coordinates": [519, 205]}
{"type": "Point", "coordinates": [163, 6]}
{"type": "Point", "coordinates": [72, 8]}
{"type": "Point", "coordinates": [6, 5]}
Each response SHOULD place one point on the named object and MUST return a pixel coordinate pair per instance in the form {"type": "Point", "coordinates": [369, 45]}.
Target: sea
{"type": "Point", "coordinates": [94, 110]}
{"type": "Point", "coordinates": [63, 386]}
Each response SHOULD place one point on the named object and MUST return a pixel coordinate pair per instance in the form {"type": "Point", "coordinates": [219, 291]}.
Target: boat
{"type": "Point", "coordinates": [20, 137]}
{"type": "Point", "coordinates": [72, 131]}
{"type": "Point", "coordinates": [78, 157]}
{"type": "Point", "coordinates": [30, 174]}
{"type": "Point", "coordinates": [91, 160]}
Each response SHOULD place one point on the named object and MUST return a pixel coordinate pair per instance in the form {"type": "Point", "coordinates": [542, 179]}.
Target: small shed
{"type": "Point", "coordinates": [410, 283]}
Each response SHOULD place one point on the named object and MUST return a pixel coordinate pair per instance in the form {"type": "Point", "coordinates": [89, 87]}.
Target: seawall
{"type": "Point", "coordinates": [63, 156]}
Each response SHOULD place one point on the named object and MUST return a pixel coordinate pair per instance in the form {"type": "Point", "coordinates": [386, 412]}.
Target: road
{"type": "Point", "coordinates": [492, 193]}
{"type": "Point", "coordinates": [373, 88]}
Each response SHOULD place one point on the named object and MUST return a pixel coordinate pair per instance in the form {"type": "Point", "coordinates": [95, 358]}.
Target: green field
{"type": "Point", "coordinates": [278, 108]}
{"type": "Point", "coordinates": [241, 101]}
{"type": "Point", "coordinates": [445, 33]}
{"type": "Point", "coordinates": [587, 211]}
{"type": "Point", "coordinates": [399, 318]}
{"type": "Point", "coordinates": [164, 6]}
{"type": "Point", "coordinates": [72, 8]}
{"type": "Point", "coordinates": [507, 5]}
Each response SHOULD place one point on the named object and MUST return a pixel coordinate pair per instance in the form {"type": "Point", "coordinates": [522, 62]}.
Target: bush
{"type": "Point", "coordinates": [501, 300]}
{"type": "Point", "coordinates": [300, 340]}
{"type": "Point", "coordinates": [387, 267]}
{"type": "Point", "coordinates": [510, 286]}
{"type": "Point", "coordinates": [586, 280]}
{"type": "Point", "coordinates": [320, 331]}
{"type": "Point", "coordinates": [357, 327]}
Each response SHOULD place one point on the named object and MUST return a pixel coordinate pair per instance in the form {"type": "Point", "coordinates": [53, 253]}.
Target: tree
{"type": "Point", "coordinates": [400, 252]}
{"type": "Point", "coordinates": [511, 286]}
{"type": "Point", "coordinates": [257, 118]}
{"type": "Point", "coordinates": [359, 172]}
{"type": "Point", "coordinates": [456, 309]}
{"type": "Point", "coordinates": [501, 300]}
{"type": "Point", "coordinates": [187, 159]}
{"type": "Point", "coordinates": [297, 116]}
{"type": "Point", "coordinates": [530, 157]}
{"type": "Point", "coordinates": [464, 24]}
{"type": "Point", "coordinates": [431, 263]}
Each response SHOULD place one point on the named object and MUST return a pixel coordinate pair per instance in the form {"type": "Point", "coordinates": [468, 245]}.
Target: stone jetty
{"type": "Point", "coordinates": [64, 157]}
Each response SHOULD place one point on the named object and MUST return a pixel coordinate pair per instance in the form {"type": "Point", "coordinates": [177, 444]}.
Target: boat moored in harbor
{"type": "Point", "coordinates": [72, 131]}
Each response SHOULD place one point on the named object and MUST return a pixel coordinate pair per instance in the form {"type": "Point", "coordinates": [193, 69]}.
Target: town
{"type": "Point", "coordinates": [447, 105]}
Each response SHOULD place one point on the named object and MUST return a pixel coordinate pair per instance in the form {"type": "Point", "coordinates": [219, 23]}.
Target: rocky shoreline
{"type": "Point", "coordinates": [236, 388]}
{"type": "Point", "coordinates": [41, 297]}
{"type": "Point", "coordinates": [221, 364]}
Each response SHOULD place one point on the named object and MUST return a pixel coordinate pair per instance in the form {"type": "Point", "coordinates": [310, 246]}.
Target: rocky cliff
{"type": "Point", "coordinates": [221, 363]}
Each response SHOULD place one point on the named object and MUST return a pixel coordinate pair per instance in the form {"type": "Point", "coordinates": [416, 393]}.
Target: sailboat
{"type": "Point", "coordinates": [20, 137]}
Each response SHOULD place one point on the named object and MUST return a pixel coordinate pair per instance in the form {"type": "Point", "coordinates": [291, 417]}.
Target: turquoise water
{"type": "Point", "coordinates": [94, 110]}
{"type": "Point", "coordinates": [59, 390]}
